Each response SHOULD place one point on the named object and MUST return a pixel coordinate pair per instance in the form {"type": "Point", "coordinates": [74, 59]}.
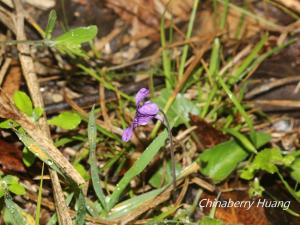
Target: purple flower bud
{"type": "Point", "coordinates": [141, 95]}
{"type": "Point", "coordinates": [127, 134]}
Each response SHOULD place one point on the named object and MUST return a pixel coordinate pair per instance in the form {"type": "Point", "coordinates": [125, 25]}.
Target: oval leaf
{"type": "Point", "coordinates": [23, 102]}
{"type": "Point", "coordinates": [77, 36]}
{"type": "Point", "coordinates": [66, 120]}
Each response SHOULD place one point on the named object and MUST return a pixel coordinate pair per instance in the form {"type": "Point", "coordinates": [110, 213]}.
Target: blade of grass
{"type": "Point", "coordinates": [261, 58]}
{"type": "Point", "coordinates": [14, 211]}
{"type": "Point", "coordinates": [138, 167]}
{"type": "Point", "coordinates": [188, 35]}
{"type": "Point", "coordinates": [51, 24]}
{"type": "Point", "coordinates": [165, 54]}
{"type": "Point", "coordinates": [215, 58]}
{"type": "Point", "coordinates": [241, 24]}
{"type": "Point", "coordinates": [284, 9]}
{"type": "Point", "coordinates": [129, 205]}
{"type": "Point", "coordinates": [137, 205]}
{"type": "Point", "coordinates": [212, 73]}
{"type": "Point", "coordinates": [39, 200]}
{"type": "Point", "coordinates": [214, 208]}
{"type": "Point", "coordinates": [242, 138]}
{"type": "Point", "coordinates": [236, 75]}
{"type": "Point", "coordinates": [159, 219]}
{"type": "Point", "coordinates": [81, 212]}
{"type": "Point", "coordinates": [224, 14]}
{"type": "Point", "coordinates": [258, 18]}
{"type": "Point", "coordinates": [92, 134]}
{"type": "Point", "coordinates": [288, 187]}
{"type": "Point", "coordinates": [236, 103]}
{"type": "Point", "coordinates": [290, 211]}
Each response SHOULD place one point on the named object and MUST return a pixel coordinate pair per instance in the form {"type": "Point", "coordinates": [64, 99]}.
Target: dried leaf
{"type": "Point", "coordinates": [207, 134]}
{"type": "Point", "coordinates": [10, 157]}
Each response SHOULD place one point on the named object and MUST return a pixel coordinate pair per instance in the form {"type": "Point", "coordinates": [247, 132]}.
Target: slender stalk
{"type": "Point", "coordinates": [173, 162]}
{"type": "Point", "coordinates": [15, 42]}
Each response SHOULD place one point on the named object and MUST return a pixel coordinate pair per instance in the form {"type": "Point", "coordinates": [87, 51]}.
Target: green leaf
{"type": "Point", "coordinates": [255, 188]}
{"type": "Point", "coordinates": [92, 134]}
{"type": "Point", "coordinates": [13, 185]}
{"type": "Point", "coordinates": [66, 120]}
{"type": "Point", "coordinates": [2, 191]}
{"type": "Point", "coordinates": [3, 187]}
{"type": "Point", "coordinates": [51, 24]}
{"type": "Point", "coordinates": [10, 179]}
{"type": "Point", "coordinates": [82, 171]}
{"type": "Point", "coordinates": [63, 141]}
{"type": "Point", "coordinates": [266, 160]}
{"type": "Point", "coordinates": [259, 139]}
{"type": "Point", "coordinates": [17, 189]}
{"type": "Point", "coordinates": [28, 157]}
{"type": "Point", "coordinates": [8, 124]}
{"type": "Point", "coordinates": [219, 161]}
{"type": "Point", "coordinates": [77, 36]}
{"type": "Point", "coordinates": [210, 221]}
{"type": "Point", "coordinates": [37, 113]}
{"type": "Point", "coordinates": [180, 109]}
{"type": "Point", "coordinates": [70, 42]}
{"type": "Point", "coordinates": [138, 166]}
{"type": "Point", "coordinates": [242, 139]}
{"type": "Point", "coordinates": [296, 170]}
{"type": "Point", "coordinates": [23, 102]}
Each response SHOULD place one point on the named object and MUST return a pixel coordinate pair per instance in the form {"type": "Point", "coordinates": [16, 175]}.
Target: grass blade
{"type": "Point", "coordinates": [243, 139]}
{"type": "Point", "coordinates": [39, 200]}
{"type": "Point", "coordinates": [165, 55]}
{"type": "Point", "coordinates": [131, 204]}
{"type": "Point", "coordinates": [188, 35]}
{"type": "Point", "coordinates": [92, 134]}
{"type": "Point", "coordinates": [212, 73]}
{"type": "Point", "coordinates": [236, 103]}
{"type": "Point", "coordinates": [81, 212]}
{"type": "Point", "coordinates": [236, 76]}
{"type": "Point", "coordinates": [224, 14]}
{"type": "Point", "coordinates": [14, 211]}
{"type": "Point", "coordinates": [51, 24]}
{"type": "Point", "coordinates": [253, 16]}
{"type": "Point", "coordinates": [138, 166]}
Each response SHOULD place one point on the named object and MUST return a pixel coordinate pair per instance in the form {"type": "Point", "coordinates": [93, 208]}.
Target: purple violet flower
{"type": "Point", "coordinates": [145, 111]}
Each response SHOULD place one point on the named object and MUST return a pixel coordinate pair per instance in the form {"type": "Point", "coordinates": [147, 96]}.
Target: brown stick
{"type": "Point", "coordinates": [34, 89]}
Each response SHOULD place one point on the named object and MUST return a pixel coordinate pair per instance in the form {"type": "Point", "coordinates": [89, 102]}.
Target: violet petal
{"type": "Point", "coordinates": [127, 134]}
{"type": "Point", "coordinates": [148, 109]}
{"type": "Point", "coordinates": [141, 95]}
{"type": "Point", "coordinates": [142, 120]}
